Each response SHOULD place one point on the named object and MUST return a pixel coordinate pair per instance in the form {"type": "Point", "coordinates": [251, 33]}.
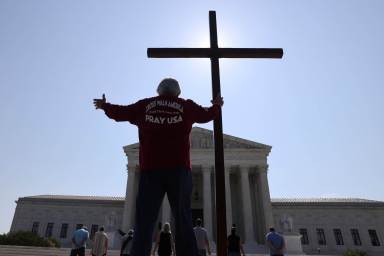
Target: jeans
{"type": "Point", "coordinates": [153, 185]}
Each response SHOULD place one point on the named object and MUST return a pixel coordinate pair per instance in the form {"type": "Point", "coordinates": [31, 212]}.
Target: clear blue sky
{"type": "Point", "coordinates": [320, 107]}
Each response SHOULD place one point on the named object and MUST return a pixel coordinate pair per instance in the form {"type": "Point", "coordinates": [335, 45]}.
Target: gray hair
{"type": "Point", "coordinates": [167, 227]}
{"type": "Point", "coordinates": [169, 86]}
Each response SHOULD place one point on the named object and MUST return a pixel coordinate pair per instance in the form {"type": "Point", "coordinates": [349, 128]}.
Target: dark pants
{"type": "Point", "coordinates": [165, 254]}
{"type": "Point", "coordinates": [78, 251]}
{"type": "Point", "coordinates": [201, 252]}
{"type": "Point", "coordinates": [153, 185]}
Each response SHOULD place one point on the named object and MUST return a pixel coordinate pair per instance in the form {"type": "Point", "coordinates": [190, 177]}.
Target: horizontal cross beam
{"type": "Point", "coordinates": [275, 53]}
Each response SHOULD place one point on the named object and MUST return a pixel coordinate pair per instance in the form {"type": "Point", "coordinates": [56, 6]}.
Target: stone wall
{"type": "Point", "coordinates": [69, 210]}
{"type": "Point", "coordinates": [346, 214]}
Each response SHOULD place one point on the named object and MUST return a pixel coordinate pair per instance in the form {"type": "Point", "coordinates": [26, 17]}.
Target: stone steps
{"type": "Point", "coordinates": [9, 250]}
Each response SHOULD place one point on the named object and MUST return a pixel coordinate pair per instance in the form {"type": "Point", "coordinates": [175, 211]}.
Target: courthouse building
{"type": "Point", "coordinates": [326, 225]}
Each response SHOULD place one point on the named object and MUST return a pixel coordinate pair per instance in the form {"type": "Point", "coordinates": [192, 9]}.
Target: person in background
{"type": "Point", "coordinates": [164, 244]}
{"type": "Point", "coordinates": [275, 243]}
{"type": "Point", "coordinates": [126, 243]}
{"type": "Point", "coordinates": [235, 245]}
{"type": "Point", "coordinates": [79, 241]}
{"type": "Point", "coordinates": [100, 243]}
{"type": "Point", "coordinates": [201, 239]}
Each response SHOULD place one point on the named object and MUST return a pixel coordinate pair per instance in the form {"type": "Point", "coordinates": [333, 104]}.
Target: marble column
{"type": "Point", "coordinates": [130, 199]}
{"type": "Point", "coordinates": [166, 211]}
{"type": "Point", "coordinates": [207, 200]}
{"type": "Point", "coordinates": [265, 197]}
{"type": "Point", "coordinates": [247, 205]}
{"type": "Point", "coordinates": [228, 198]}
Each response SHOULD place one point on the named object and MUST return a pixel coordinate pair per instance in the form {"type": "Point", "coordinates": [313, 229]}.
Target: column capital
{"type": "Point", "coordinates": [262, 168]}
{"type": "Point", "coordinates": [132, 168]}
{"type": "Point", "coordinates": [206, 168]}
{"type": "Point", "coordinates": [244, 168]}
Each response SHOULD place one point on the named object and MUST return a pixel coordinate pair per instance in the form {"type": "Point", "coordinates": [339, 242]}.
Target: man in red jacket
{"type": "Point", "coordinates": [165, 124]}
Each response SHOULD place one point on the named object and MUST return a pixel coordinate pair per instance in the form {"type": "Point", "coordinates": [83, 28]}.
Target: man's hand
{"type": "Point", "coordinates": [218, 101]}
{"type": "Point", "coordinates": [99, 103]}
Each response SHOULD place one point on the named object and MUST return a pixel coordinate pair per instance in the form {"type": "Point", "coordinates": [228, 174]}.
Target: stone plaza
{"type": "Point", "coordinates": [312, 226]}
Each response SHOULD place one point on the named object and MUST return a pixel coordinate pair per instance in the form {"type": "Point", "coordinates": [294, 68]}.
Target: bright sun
{"type": "Point", "coordinates": [224, 41]}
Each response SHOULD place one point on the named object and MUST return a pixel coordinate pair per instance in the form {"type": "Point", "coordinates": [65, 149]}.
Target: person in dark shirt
{"type": "Point", "coordinates": [126, 242]}
{"type": "Point", "coordinates": [164, 242]}
{"type": "Point", "coordinates": [164, 123]}
{"type": "Point", "coordinates": [234, 244]}
{"type": "Point", "coordinates": [275, 243]}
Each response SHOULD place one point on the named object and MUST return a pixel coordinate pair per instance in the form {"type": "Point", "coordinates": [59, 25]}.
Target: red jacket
{"type": "Point", "coordinates": [165, 125]}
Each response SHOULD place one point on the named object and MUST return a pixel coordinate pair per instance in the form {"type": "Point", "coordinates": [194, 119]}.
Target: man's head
{"type": "Point", "coordinates": [167, 227]}
{"type": "Point", "coordinates": [101, 228]}
{"type": "Point", "coordinates": [198, 222]}
{"type": "Point", "coordinates": [169, 87]}
{"type": "Point", "coordinates": [233, 230]}
{"type": "Point", "coordinates": [272, 229]}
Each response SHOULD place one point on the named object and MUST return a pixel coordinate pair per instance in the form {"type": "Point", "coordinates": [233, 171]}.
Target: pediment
{"type": "Point", "coordinates": [203, 139]}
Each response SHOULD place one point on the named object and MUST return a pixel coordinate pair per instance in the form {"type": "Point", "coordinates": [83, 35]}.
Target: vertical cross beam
{"type": "Point", "coordinates": [221, 224]}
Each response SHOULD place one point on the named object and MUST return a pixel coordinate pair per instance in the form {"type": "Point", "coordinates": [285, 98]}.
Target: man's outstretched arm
{"type": "Point", "coordinates": [117, 112]}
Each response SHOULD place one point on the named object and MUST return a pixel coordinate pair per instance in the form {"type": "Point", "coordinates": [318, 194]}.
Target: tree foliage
{"type": "Point", "coordinates": [26, 238]}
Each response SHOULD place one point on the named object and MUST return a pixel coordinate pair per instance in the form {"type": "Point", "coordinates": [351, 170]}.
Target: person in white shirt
{"type": "Point", "coordinates": [100, 243]}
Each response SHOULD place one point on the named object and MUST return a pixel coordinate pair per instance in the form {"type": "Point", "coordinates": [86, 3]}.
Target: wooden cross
{"type": "Point", "coordinates": [215, 53]}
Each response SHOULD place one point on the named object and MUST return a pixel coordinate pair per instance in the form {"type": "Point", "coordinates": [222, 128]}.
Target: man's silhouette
{"type": "Point", "coordinates": [164, 124]}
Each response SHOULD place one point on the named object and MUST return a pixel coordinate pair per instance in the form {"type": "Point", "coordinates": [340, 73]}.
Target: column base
{"type": "Point", "coordinates": [293, 243]}
{"type": "Point", "coordinates": [249, 248]}
{"type": "Point", "coordinates": [114, 240]}
{"type": "Point", "coordinates": [212, 245]}
{"type": "Point", "coordinates": [254, 248]}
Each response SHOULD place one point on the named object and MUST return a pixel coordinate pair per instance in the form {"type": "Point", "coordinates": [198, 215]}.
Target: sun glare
{"type": "Point", "coordinates": [201, 39]}
{"type": "Point", "coordinates": [224, 40]}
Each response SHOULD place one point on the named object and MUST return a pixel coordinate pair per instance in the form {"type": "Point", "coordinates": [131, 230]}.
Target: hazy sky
{"type": "Point", "coordinates": [320, 107]}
